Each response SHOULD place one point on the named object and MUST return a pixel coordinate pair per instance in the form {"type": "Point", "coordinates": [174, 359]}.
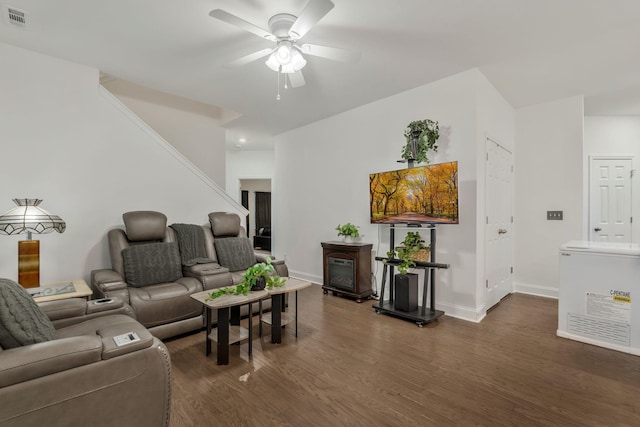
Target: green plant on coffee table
{"type": "Point", "coordinates": [250, 278]}
{"type": "Point", "coordinates": [348, 229]}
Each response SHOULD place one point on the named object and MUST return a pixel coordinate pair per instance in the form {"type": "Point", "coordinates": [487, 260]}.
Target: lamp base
{"type": "Point", "coordinates": [29, 263]}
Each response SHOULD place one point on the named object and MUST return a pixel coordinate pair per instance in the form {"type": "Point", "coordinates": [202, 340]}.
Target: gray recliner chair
{"type": "Point", "coordinates": [77, 375]}
{"type": "Point", "coordinates": [147, 273]}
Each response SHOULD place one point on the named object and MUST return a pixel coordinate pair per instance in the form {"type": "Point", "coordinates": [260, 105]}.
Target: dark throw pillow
{"type": "Point", "coordinates": [21, 320]}
{"type": "Point", "coordinates": [235, 253]}
{"type": "Point", "coordinates": [152, 263]}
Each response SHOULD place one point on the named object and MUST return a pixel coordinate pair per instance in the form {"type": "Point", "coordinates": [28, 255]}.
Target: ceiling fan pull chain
{"type": "Point", "coordinates": [278, 96]}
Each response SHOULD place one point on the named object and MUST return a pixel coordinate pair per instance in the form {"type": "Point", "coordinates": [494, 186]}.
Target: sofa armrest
{"type": "Point", "coordinates": [106, 276]}
{"type": "Point", "coordinates": [71, 311]}
{"type": "Point", "coordinates": [212, 275]}
{"type": "Point", "coordinates": [108, 284]}
{"type": "Point", "coordinates": [202, 270]}
{"type": "Point", "coordinates": [111, 349]}
{"type": "Point", "coordinates": [64, 309]}
{"type": "Point", "coordinates": [261, 257]}
{"type": "Point", "coordinates": [37, 360]}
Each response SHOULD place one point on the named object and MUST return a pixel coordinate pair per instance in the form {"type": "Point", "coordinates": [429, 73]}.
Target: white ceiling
{"type": "Point", "coordinates": [531, 51]}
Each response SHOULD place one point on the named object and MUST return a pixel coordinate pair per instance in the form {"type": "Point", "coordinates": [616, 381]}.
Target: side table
{"type": "Point", "coordinates": [277, 318]}
{"type": "Point", "coordinates": [229, 330]}
{"type": "Point", "coordinates": [64, 290]}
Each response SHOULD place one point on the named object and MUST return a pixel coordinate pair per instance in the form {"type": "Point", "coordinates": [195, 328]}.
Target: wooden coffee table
{"type": "Point", "coordinates": [229, 330]}
{"type": "Point", "coordinates": [277, 318]}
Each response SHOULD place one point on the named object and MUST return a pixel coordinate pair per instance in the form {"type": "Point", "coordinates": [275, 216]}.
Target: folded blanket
{"type": "Point", "coordinates": [191, 244]}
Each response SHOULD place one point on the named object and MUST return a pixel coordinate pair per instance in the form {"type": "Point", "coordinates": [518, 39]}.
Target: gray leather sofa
{"type": "Point", "coordinates": [147, 275]}
{"type": "Point", "coordinates": [76, 375]}
{"type": "Point", "coordinates": [158, 291]}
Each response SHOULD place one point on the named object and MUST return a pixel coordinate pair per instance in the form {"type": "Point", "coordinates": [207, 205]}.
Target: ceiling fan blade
{"type": "Point", "coordinates": [241, 23]}
{"type": "Point", "coordinates": [313, 12]}
{"type": "Point", "coordinates": [249, 58]}
{"type": "Point", "coordinates": [334, 53]}
{"type": "Point", "coordinates": [296, 79]}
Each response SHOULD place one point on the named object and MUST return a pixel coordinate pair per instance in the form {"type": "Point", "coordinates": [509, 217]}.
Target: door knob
{"type": "Point", "coordinates": [597, 229]}
{"type": "Point", "coordinates": [502, 231]}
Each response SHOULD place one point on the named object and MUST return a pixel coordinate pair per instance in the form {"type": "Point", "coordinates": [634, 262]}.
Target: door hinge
{"type": "Point", "coordinates": [511, 219]}
{"type": "Point", "coordinates": [487, 156]}
{"type": "Point", "coordinates": [631, 220]}
{"type": "Point", "coordinates": [511, 168]}
{"type": "Point", "coordinates": [633, 172]}
{"type": "Point", "coordinates": [486, 284]}
{"type": "Point", "coordinates": [487, 220]}
{"type": "Point", "coordinates": [511, 270]}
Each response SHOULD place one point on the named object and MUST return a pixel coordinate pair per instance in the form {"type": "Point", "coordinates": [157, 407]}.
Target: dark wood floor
{"type": "Point", "coordinates": [351, 367]}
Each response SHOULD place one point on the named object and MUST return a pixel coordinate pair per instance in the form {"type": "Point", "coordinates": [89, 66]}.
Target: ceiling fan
{"type": "Point", "coordinates": [286, 30]}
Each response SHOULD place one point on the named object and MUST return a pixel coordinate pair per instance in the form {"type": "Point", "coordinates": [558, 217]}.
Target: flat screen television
{"type": "Point", "coordinates": [420, 195]}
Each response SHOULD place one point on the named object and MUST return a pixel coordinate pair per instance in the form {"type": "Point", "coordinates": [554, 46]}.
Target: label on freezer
{"type": "Point", "coordinates": [615, 306]}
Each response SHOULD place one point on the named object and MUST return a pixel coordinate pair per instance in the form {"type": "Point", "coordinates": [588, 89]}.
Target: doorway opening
{"type": "Point", "coordinates": [257, 195]}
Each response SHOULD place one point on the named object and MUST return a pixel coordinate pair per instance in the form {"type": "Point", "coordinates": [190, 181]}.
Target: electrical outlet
{"type": "Point", "coordinates": [554, 215]}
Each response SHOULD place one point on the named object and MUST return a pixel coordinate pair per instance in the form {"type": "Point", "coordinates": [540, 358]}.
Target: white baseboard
{"type": "Point", "coordinates": [461, 312]}
{"type": "Point", "coordinates": [537, 290]}
{"type": "Point", "coordinates": [304, 276]}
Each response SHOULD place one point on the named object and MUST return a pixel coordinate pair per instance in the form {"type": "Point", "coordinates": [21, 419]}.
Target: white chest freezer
{"type": "Point", "coordinates": [599, 294]}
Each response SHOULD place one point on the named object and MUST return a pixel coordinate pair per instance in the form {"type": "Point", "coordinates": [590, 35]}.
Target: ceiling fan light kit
{"type": "Point", "coordinates": [286, 59]}
{"type": "Point", "coordinates": [286, 30]}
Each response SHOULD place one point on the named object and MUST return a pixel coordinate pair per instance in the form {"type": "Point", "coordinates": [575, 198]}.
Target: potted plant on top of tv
{"type": "Point", "coordinates": [421, 136]}
{"type": "Point", "coordinates": [349, 231]}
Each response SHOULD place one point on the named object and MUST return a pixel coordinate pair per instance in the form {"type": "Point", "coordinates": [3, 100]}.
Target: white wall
{"type": "Point", "coordinates": [613, 136]}
{"type": "Point", "coordinates": [247, 165]}
{"type": "Point", "coordinates": [548, 176]}
{"type": "Point", "coordinates": [322, 171]}
{"type": "Point", "coordinates": [191, 127]}
{"type": "Point", "coordinates": [69, 142]}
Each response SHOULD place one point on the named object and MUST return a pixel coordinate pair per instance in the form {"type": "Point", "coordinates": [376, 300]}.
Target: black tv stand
{"type": "Point", "coordinates": [423, 314]}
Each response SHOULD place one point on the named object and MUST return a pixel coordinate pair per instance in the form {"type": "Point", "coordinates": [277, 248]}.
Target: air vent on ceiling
{"type": "Point", "coordinates": [16, 16]}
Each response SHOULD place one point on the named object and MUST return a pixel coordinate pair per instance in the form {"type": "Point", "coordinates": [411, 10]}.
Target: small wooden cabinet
{"type": "Point", "coordinates": [347, 269]}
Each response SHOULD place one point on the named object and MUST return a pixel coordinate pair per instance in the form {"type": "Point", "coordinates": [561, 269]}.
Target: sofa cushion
{"type": "Point", "coordinates": [235, 253]}
{"type": "Point", "coordinates": [21, 320]}
{"type": "Point", "coordinates": [151, 263]}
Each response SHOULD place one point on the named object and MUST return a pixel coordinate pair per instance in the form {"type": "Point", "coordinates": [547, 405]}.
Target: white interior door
{"type": "Point", "coordinates": [610, 199]}
{"type": "Point", "coordinates": [499, 222]}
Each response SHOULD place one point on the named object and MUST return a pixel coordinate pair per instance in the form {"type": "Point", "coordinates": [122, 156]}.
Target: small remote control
{"type": "Point", "coordinates": [125, 339]}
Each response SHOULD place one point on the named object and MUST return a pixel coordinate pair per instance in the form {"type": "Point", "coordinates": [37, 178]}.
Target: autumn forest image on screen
{"type": "Point", "coordinates": [426, 194]}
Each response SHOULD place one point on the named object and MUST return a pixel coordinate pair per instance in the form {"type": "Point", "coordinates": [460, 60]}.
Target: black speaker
{"type": "Point", "coordinates": [406, 292]}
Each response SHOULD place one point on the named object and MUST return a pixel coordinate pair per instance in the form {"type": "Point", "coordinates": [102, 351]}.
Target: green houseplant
{"type": "Point", "coordinates": [403, 255]}
{"type": "Point", "coordinates": [348, 230]}
{"type": "Point", "coordinates": [421, 136]}
{"type": "Point", "coordinates": [419, 251]}
{"type": "Point", "coordinates": [256, 278]}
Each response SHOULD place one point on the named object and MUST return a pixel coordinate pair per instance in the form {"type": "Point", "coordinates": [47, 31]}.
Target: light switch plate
{"type": "Point", "coordinates": [554, 215]}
